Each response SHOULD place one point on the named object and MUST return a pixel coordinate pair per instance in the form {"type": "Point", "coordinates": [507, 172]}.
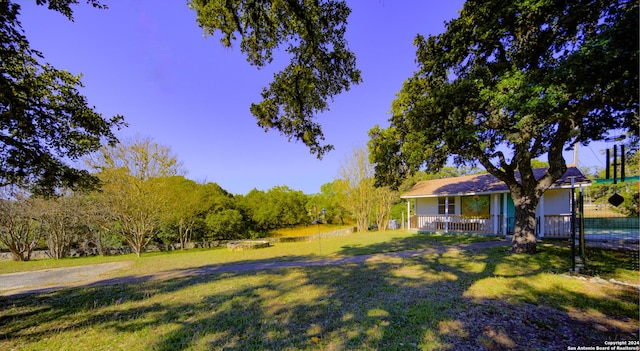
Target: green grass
{"type": "Point", "coordinates": [306, 230]}
{"type": "Point", "coordinates": [355, 244]}
{"type": "Point", "coordinates": [489, 299]}
{"type": "Point", "coordinates": [620, 265]}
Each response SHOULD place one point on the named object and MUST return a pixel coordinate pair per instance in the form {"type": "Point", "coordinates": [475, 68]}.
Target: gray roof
{"type": "Point", "coordinates": [485, 184]}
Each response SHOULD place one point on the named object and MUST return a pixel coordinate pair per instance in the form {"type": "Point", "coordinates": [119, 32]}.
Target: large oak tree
{"type": "Point", "coordinates": [508, 82]}
{"type": "Point", "coordinates": [321, 65]}
{"type": "Point", "coordinates": [44, 119]}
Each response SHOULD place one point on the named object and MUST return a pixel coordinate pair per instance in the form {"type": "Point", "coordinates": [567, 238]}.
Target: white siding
{"type": "Point", "coordinates": [557, 201]}
{"type": "Point", "coordinates": [427, 205]}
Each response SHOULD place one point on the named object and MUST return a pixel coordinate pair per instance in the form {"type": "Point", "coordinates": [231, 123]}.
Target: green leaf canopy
{"type": "Point", "coordinates": [321, 65]}
{"type": "Point", "coordinates": [509, 82]}
{"type": "Point", "coordinates": [44, 120]}
{"type": "Point", "coordinates": [506, 84]}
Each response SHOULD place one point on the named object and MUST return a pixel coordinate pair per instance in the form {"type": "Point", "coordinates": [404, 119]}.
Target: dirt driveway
{"type": "Point", "coordinates": [56, 277]}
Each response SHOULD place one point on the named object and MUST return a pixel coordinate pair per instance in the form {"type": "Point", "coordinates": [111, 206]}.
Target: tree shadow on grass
{"type": "Point", "coordinates": [433, 301]}
{"type": "Point", "coordinates": [416, 242]}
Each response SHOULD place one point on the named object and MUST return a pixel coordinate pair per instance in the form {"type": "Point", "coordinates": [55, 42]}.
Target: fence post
{"type": "Point", "coordinates": [581, 211]}
{"type": "Point", "coordinates": [573, 225]}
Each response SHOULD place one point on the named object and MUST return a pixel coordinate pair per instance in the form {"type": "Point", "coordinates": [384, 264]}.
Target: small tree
{"type": "Point", "coordinates": [329, 198]}
{"type": "Point", "coordinates": [226, 224]}
{"type": "Point", "coordinates": [279, 207]}
{"type": "Point", "coordinates": [19, 231]}
{"type": "Point", "coordinates": [185, 205]}
{"type": "Point", "coordinates": [384, 197]}
{"type": "Point", "coordinates": [288, 206]}
{"type": "Point", "coordinates": [135, 188]}
{"type": "Point", "coordinates": [100, 223]}
{"type": "Point", "coordinates": [355, 183]}
{"type": "Point", "coordinates": [63, 221]}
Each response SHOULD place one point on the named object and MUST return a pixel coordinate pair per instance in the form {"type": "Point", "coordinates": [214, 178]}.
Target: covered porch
{"type": "Point", "coordinates": [549, 226]}
{"type": "Point", "coordinates": [481, 204]}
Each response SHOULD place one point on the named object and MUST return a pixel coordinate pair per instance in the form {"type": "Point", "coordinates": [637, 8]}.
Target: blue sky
{"type": "Point", "coordinates": [149, 61]}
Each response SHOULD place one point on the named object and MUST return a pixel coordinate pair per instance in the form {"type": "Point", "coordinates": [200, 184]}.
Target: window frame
{"type": "Point", "coordinates": [442, 205]}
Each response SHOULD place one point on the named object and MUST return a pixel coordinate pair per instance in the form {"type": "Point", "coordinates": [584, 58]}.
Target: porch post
{"type": "Point", "coordinates": [541, 207]}
{"type": "Point", "coordinates": [496, 213]}
{"type": "Point", "coordinates": [446, 214]}
{"type": "Point", "coordinates": [504, 215]}
{"type": "Point", "coordinates": [408, 214]}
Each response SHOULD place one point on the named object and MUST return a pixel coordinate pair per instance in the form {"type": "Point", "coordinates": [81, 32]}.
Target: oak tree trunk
{"type": "Point", "coordinates": [524, 234]}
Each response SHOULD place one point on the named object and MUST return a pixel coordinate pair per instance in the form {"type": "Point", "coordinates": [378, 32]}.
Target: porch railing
{"type": "Point", "coordinates": [453, 223]}
{"type": "Point", "coordinates": [555, 226]}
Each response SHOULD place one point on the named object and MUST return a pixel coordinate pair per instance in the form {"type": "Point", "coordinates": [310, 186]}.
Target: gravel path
{"type": "Point", "coordinates": [55, 277]}
{"type": "Point", "coordinates": [89, 275]}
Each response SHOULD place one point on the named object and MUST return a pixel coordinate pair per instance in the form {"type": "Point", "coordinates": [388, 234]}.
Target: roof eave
{"type": "Point", "coordinates": [487, 192]}
{"type": "Point", "coordinates": [455, 194]}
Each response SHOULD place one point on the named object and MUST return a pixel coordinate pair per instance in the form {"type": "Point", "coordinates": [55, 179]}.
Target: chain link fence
{"type": "Point", "coordinates": [605, 239]}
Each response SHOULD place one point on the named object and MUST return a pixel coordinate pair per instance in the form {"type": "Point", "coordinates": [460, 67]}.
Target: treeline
{"type": "Point", "coordinates": [158, 210]}
{"type": "Point", "coordinates": [143, 197]}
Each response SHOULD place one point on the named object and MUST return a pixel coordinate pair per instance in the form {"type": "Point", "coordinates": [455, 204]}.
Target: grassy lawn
{"type": "Point", "coordinates": [458, 300]}
{"type": "Point", "coordinates": [355, 244]}
{"type": "Point", "coordinates": [306, 230]}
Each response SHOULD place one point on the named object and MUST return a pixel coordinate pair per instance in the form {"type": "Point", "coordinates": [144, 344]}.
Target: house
{"type": "Point", "coordinates": [481, 203]}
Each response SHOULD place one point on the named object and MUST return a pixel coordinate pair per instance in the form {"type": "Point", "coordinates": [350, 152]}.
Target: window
{"type": "Point", "coordinates": [442, 205]}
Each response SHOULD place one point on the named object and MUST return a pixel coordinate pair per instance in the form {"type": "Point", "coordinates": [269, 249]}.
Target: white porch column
{"type": "Point", "coordinates": [446, 214]}
{"type": "Point", "coordinates": [504, 217]}
{"type": "Point", "coordinates": [541, 208]}
{"type": "Point", "coordinates": [409, 214]}
{"type": "Point", "coordinates": [495, 211]}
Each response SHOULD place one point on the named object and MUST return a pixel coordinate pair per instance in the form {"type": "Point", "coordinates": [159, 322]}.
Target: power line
{"type": "Point", "coordinates": [595, 155]}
